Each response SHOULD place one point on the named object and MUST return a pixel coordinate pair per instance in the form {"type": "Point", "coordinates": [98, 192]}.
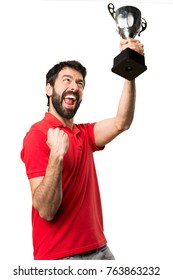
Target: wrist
{"type": "Point", "coordinates": [56, 156]}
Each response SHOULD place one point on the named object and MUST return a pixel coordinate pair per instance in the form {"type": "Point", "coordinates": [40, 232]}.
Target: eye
{"type": "Point", "coordinates": [66, 80]}
{"type": "Point", "coordinates": [81, 83]}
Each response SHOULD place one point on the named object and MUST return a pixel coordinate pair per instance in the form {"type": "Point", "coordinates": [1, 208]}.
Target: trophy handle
{"type": "Point", "coordinates": [143, 26]}
{"type": "Point", "coordinates": [111, 9]}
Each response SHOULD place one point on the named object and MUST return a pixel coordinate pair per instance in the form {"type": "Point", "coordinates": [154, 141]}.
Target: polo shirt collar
{"type": "Point", "coordinates": [54, 122]}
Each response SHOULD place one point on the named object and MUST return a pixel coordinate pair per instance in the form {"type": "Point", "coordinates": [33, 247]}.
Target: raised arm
{"type": "Point", "coordinates": [106, 130]}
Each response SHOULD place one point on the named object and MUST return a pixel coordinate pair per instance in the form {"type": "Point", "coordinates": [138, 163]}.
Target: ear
{"type": "Point", "coordinates": [49, 89]}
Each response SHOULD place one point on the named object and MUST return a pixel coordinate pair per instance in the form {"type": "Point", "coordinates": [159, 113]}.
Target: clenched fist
{"type": "Point", "coordinates": [57, 140]}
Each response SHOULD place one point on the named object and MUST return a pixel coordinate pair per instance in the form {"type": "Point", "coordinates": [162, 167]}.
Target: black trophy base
{"type": "Point", "coordinates": [129, 64]}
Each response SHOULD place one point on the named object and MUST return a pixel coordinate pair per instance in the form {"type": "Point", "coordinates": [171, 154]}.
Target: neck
{"type": "Point", "coordinates": [66, 122]}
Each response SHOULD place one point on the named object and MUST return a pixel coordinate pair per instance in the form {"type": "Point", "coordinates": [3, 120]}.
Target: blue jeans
{"type": "Point", "coordinates": [102, 253]}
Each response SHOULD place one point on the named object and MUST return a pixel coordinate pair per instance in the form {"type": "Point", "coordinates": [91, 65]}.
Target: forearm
{"type": "Point", "coordinates": [47, 196]}
{"type": "Point", "coordinates": [106, 130]}
{"type": "Point", "coordinates": [126, 107]}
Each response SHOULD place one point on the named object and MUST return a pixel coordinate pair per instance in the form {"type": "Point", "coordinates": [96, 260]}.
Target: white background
{"type": "Point", "coordinates": [135, 170]}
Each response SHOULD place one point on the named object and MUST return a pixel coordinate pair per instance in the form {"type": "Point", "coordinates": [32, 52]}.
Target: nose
{"type": "Point", "coordinates": [74, 86]}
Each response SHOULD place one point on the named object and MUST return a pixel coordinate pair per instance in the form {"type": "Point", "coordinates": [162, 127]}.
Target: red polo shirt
{"type": "Point", "coordinates": [78, 224]}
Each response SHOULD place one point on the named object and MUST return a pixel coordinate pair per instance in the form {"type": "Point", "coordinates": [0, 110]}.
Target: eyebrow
{"type": "Point", "coordinates": [66, 75]}
{"type": "Point", "coordinates": [70, 76]}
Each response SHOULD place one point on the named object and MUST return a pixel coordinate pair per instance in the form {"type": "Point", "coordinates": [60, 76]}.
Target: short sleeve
{"type": "Point", "coordinates": [35, 153]}
{"type": "Point", "coordinates": [90, 130]}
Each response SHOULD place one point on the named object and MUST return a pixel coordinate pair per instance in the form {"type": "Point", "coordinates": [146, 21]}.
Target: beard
{"type": "Point", "coordinates": [57, 104]}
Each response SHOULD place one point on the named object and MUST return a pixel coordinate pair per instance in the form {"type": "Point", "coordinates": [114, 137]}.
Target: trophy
{"type": "Point", "coordinates": [129, 63]}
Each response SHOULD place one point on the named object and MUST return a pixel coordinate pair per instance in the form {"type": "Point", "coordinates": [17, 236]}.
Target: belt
{"type": "Point", "coordinates": [93, 251]}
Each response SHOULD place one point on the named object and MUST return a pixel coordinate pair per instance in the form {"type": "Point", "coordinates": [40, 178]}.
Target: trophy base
{"type": "Point", "coordinates": [129, 64]}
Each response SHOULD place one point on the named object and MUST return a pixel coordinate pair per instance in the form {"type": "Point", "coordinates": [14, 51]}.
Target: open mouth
{"type": "Point", "coordinates": [70, 99]}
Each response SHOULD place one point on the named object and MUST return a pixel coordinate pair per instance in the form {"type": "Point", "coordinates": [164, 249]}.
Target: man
{"type": "Point", "coordinates": [58, 155]}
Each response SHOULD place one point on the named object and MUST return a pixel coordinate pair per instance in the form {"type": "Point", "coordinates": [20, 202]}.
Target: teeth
{"type": "Point", "coordinates": [70, 96]}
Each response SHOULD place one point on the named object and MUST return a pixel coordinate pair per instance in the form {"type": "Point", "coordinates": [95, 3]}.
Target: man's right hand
{"type": "Point", "coordinates": [58, 141]}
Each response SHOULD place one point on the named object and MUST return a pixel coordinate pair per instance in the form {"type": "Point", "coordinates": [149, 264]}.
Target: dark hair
{"type": "Point", "coordinates": [54, 71]}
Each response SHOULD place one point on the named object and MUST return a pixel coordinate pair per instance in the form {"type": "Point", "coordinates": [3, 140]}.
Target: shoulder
{"type": "Point", "coordinates": [36, 135]}
{"type": "Point", "coordinates": [85, 126]}
{"type": "Point", "coordinates": [41, 126]}
{"type": "Point", "coordinates": [87, 132]}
